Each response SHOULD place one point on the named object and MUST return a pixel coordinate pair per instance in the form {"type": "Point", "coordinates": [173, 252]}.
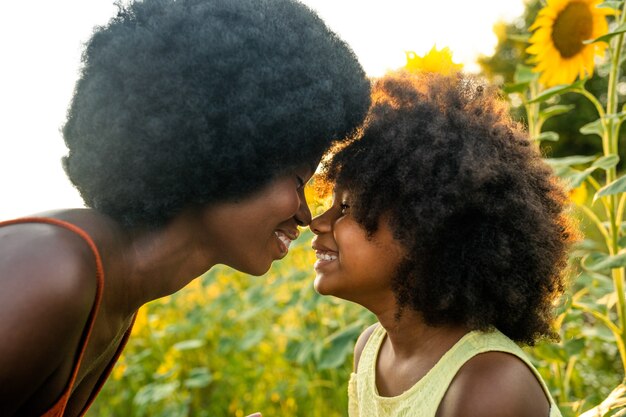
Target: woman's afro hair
{"type": "Point", "coordinates": [191, 102]}
{"type": "Point", "coordinates": [482, 217]}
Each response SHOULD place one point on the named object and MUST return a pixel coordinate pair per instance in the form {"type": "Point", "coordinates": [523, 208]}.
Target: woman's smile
{"type": "Point", "coordinates": [284, 239]}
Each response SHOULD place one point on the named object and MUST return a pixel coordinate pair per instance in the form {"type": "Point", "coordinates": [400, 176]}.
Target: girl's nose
{"type": "Point", "coordinates": [320, 224]}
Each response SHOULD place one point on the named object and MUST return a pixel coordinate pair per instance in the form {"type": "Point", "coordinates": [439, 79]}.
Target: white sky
{"type": "Point", "coordinates": [41, 43]}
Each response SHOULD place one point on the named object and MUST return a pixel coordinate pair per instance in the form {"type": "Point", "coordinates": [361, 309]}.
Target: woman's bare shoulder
{"type": "Point", "coordinates": [47, 289]}
{"type": "Point", "coordinates": [494, 384]}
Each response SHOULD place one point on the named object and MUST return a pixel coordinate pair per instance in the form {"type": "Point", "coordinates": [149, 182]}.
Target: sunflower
{"type": "Point", "coordinates": [557, 42]}
{"type": "Point", "coordinates": [434, 61]}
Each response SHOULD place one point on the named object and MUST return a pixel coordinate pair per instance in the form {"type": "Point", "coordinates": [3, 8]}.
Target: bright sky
{"type": "Point", "coordinates": [41, 43]}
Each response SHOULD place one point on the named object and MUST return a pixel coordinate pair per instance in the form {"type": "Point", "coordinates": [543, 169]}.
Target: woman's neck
{"type": "Point", "coordinates": [160, 262]}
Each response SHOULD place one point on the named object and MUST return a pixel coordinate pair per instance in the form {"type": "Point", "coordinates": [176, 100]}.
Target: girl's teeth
{"type": "Point", "coordinates": [325, 256]}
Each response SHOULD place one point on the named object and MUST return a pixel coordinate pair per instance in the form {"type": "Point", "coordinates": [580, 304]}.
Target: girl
{"type": "Point", "coordinates": [193, 127]}
{"type": "Point", "coordinates": [448, 226]}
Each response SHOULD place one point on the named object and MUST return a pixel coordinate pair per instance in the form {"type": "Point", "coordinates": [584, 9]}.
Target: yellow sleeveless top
{"type": "Point", "coordinates": [423, 398]}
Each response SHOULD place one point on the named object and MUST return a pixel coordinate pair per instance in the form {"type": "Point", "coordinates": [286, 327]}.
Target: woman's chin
{"type": "Point", "coordinates": [257, 269]}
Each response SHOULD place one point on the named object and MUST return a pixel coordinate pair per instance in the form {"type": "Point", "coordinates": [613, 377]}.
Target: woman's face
{"type": "Point", "coordinates": [250, 233]}
{"type": "Point", "coordinates": [349, 264]}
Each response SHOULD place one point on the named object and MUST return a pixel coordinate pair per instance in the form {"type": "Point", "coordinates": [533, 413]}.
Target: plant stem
{"type": "Point", "coordinates": [610, 145]}
{"type": "Point", "coordinates": [593, 101]}
{"type": "Point", "coordinates": [532, 113]}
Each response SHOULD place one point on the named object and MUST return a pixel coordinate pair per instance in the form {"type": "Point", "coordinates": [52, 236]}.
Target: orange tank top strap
{"type": "Point", "coordinates": [58, 408]}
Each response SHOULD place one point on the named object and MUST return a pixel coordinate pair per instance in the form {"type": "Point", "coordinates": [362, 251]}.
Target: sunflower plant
{"type": "Point", "coordinates": [568, 39]}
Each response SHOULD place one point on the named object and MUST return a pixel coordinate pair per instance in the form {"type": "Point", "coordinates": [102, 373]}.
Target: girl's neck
{"type": "Point", "coordinates": [408, 335]}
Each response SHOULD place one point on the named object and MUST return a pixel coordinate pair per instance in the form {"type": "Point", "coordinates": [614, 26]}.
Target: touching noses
{"type": "Point", "coordinates": [303, 215]}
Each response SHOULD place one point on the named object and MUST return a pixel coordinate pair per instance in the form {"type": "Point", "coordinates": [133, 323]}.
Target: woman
{"type": "Point", "coordinates": [192, 130]}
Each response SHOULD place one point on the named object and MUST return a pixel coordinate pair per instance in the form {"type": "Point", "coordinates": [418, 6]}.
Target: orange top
{"type": "Point", "coordinates": [57, 409]}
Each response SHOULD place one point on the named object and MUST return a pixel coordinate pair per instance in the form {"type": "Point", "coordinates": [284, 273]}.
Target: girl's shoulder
{"type": "Point", "coordinates": [495, 383]}
{"type": "Point", "coordinates": [361, 342]}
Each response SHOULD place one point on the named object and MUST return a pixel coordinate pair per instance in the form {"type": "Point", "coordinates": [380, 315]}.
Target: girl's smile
{"type": "Point", "coordinates": [350, 264]}
{"type": "Point", "coordinates": [324, 258]}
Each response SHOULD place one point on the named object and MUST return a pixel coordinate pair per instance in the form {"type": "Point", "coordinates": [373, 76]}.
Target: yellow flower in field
{"type": "Point", "coordinates": [433, 61]}
{"type": "Point", "coordinates": [118, 370]}
{"type": "Point", "coordinates": [578, 195]}
{"type": "Point", "coordinates": [557, 42]}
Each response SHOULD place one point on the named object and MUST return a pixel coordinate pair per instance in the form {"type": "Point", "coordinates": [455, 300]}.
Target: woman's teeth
{"type": "Point", "coordinates": [284, 239]}
{"type": "Point", "coordinates": [324, 256]}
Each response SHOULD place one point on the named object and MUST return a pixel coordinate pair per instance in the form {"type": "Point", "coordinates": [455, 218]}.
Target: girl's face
{"type": "Point", "coordinates": [250, 233]}
{"type": "Point", "coordinates": [349, 265]}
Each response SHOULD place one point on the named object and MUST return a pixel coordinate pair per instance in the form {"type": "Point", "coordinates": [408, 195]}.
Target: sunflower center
{"type": "Point", "coordinates": [571, 27]}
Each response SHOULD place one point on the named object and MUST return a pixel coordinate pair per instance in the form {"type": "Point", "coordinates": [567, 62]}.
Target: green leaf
{"type": "Point", "coordinates": [574, 346]}
{"type": "Point", "coordinates": [338, 346]}
{"type": "Point", "coordinates": [524, 74]}
{"type": "Point", "coordinates": [616, 187]}
{"type": "Point", "coordinates": [610, 4]}
{"type": "Point", "coordinates": [198, 378]}
{"type": "Point", "coordinates": [549, 136]}
{"type": "Point", "coordinates": [552, 111]}
{"type": "Point", "coordinates": [559, 89]}
{"type": "Point", "coordinates": [189, 344]}
{"type": "Point", "coordinates": [610, 262]}
{"type": "Point", "coordinates": [578, 178]}
{"type": "Point", "coordinates": [551, 352]}
{"type": "Point", "coordinates": [569, 161]}
{"type": "Point", "coordinates": [606, 162]}
{"type": "Point", "coordinates": [154, 392]}
{"type": "Point", "coordinates": [252, 338]}
{"type": "Point", "coordinates": [605, 38]}
{"type": "Point", "coordinates": [299, 351]}
{"type": "Point", "coordinates": [593, 128]}
{"type": "Point", "coordinates": [598, 332]}
{"type": "Point", "coordinates": [518, 37]}
{"type": "Point", "coordinates": [590, 260]}
{"type": "Point", "coordinates": [515, 88]}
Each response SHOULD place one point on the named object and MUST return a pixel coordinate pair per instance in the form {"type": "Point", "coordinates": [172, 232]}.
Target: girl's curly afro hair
{"type": "Point", "coordinates": [481, 215]}
{"type": "Point", "coordinates": [185, 102]}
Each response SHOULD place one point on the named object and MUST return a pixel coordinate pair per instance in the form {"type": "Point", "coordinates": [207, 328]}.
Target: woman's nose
{"type": "Point", "coordinates": [303, 215]}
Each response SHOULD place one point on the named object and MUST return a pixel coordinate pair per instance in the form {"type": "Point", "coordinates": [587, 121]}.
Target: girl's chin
{"type": "Point", "coordinates": [323, 287]}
